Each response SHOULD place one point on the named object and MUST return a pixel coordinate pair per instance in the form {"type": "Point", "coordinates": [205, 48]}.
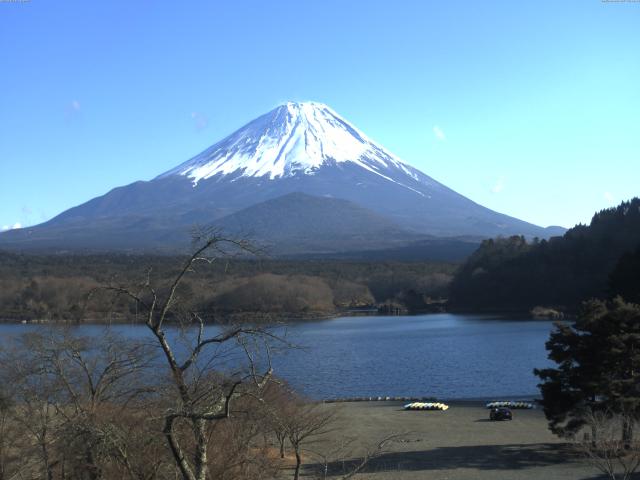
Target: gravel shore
{"type": "Point", "coordinates": [458, 444]}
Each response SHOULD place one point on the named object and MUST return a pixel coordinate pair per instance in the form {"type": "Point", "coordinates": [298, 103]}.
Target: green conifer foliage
{"type": "Point", "coordinates": [598, 366]}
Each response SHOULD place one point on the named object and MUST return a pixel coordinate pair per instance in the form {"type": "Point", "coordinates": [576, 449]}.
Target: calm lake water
{"type": "Point", "coordinates": [442, 355]}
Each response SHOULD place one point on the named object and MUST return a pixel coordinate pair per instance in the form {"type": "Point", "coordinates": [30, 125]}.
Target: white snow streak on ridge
{"type": "Point", "coordinates": [296, 137]}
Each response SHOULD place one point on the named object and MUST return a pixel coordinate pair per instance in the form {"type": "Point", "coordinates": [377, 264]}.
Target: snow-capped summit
{"type": "Point", "coordinates": [291, 139]}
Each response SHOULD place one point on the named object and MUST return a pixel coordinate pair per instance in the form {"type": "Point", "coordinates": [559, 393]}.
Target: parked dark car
{"type": "Point", "coordinates": [500, 414]}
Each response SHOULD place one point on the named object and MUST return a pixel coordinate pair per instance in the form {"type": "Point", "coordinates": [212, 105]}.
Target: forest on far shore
{"type": "Point", "coordinates": [600, 260]}
{"type": "Point", "coordinates": [67, 287]}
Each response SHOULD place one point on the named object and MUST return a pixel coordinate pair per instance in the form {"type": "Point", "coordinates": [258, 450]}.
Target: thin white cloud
{"type": "Point", "coordinates": [200, 120]}
{"type": "Point", "coordinates": [499, 185]}
{"type": "Point", "coordinates": [72, 111]}
{"type": "Point", "coordinates": [5, 227]}
{"type": "Point", "coordinates": [437, 131]}
{"type": "Point", "coordinates": [608, 196]}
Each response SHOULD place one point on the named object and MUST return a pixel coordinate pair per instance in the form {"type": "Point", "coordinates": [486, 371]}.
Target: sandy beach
{"type": "Point", "coordinates": [458, 444]}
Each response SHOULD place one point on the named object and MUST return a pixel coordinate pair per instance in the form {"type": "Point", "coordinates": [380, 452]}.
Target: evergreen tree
{"type": "Point", "coordinates": [625, 278]}
{"type": "Point", "coordinates": [598, 366]}
{"type": "Point", "coordinates": [510, 273]}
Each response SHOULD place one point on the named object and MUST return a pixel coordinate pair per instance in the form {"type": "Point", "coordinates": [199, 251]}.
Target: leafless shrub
{"type": "Point", "coordinates": [606, 447]}
{"type": "Point", "coordinates": [351, 456]}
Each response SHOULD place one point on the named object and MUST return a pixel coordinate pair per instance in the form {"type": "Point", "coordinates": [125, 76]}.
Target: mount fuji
{"type": "Point", "coordinates": [298, 179]}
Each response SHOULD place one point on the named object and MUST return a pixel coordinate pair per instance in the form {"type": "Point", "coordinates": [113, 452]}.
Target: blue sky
{"type": "Point", "coordinates": [529, 108]}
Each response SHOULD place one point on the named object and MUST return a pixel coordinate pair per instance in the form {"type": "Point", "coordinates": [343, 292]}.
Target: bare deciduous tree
{"type": "Point", "coordinates": [12, 461]}
{"type": "Point", "coordinates": [605, 447]}
{"type": "Point", "coordinates": [304, 423]}
{"type": "Point", "coordinates": [201, 397]}
{"type": "Point", "coordinates": [71, 393]}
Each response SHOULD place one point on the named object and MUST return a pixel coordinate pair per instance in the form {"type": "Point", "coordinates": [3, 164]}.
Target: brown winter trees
{"type": "Point", "coordinates": [68, 398]}
{"type": "Point", "coordinates": [207, 371]}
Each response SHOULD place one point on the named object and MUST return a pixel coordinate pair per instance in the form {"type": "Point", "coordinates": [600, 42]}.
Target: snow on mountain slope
{"type": "Point", "coordinates": [295, 138]}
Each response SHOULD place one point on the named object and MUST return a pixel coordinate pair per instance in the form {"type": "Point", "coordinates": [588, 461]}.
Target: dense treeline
{"type": "Point", "coordinates": [595, 261]}
{"type": "Point", "coordinates": [57, 287]}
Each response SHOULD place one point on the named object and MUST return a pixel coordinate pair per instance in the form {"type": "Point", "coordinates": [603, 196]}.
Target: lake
{"type": "Point", "coordinates": [448, 356]}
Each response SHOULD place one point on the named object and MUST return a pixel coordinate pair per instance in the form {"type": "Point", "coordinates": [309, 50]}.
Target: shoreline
{"type": "Point", "coordinates": [256, 318]}
{"type": "Point", "coordinates": [531, 398]}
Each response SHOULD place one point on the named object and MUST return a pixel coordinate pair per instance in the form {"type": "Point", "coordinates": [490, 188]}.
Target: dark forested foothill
{"type": "Point", "coordinates": [56, 287]}
{"type": "Point", "coordinates": [594, 261]}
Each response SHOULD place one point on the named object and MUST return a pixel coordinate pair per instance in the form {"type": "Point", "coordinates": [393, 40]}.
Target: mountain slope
{"type": "Point", "coordinates": [298, 222]}
{"type": "Point", "coordinates": [297, 147]}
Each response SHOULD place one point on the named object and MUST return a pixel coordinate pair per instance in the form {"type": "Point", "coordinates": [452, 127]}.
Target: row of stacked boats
{"type": "Point", "coordinates": [509, 404]}
{"type": "Point", "coordinates": [426, 406]}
